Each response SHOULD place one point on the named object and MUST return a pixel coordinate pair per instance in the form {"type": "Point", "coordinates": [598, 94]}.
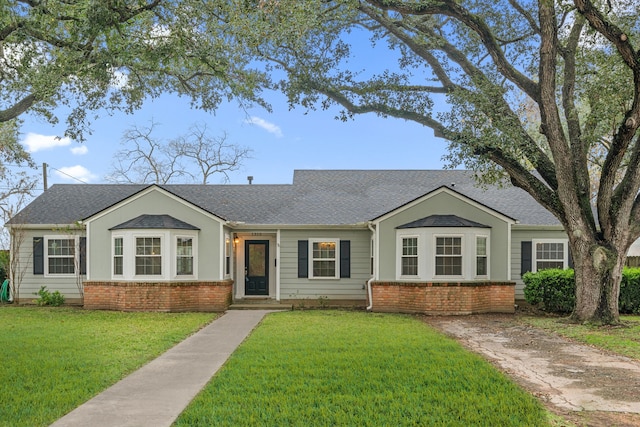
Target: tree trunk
{"type": "Point", "coordinates": [598, 272]}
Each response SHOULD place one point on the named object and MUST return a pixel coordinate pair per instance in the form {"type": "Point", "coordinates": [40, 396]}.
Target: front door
{"type": "Point", "coordinates": [256, 267]}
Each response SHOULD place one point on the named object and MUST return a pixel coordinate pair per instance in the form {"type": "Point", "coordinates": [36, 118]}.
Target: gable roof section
{"type": "Point", "coordinates": [316, 197]}
{"type": "Point", "coordinates": [143, 192]}
{"type": "Point", "coordinates": [154, 222]}
{"type": "Point", "coordinates": [455, 194]}
{"type": "Point", "coordinates": [442, 221]}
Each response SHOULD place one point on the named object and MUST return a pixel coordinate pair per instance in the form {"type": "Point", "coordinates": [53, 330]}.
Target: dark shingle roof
{"type": "Point", "coordinates": [443, 221]}
{"type": "Point", "coordinates": [315, 197]}
{"type": "Point", "coordinates": [155, 221]}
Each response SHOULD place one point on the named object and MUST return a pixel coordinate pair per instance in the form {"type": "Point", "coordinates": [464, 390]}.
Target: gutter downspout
{"type": "Point", "coordinates": [369, 291]}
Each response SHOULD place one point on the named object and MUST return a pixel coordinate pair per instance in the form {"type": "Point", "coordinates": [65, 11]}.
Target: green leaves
{"type": "Point", "coordinates": [92, 55]}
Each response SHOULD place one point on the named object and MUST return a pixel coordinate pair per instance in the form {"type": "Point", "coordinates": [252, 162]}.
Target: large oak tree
{"type": "Point", "coordinates": [520, 88]}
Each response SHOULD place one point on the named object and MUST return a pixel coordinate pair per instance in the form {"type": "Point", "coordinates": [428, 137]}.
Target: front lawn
{"type": "Point", "coordinates": [52, 360]}
{"type": "Point", "coordinates": [623, 339]}
{"type": "Point", "coordinates": [335, 368]}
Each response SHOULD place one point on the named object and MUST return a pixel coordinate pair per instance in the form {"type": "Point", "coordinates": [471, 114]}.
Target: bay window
{"type": "Point", "coordinates": [154, 254]}
{"type": "Point", "coordinates": [443, 253]}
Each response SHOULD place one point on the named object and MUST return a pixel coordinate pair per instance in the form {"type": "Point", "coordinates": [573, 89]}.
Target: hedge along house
{"type": "Point", "coordinates": [414, 241]}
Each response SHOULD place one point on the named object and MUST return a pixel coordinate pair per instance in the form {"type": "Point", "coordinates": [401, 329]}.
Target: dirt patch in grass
{"type": "Point", "coordinates": [585, 385]}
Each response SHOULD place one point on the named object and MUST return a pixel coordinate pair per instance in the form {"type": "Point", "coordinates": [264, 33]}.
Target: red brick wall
{"type": "Point", "coordinates": [160, 296]}
{"type": "Point", "coordinates": [444, 298]}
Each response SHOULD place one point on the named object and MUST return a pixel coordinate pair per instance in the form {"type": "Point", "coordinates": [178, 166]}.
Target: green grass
{"type": "Point", "coordinates": [327, 368]}
{"type": "Point", "coordinates": [623, 339]}
{"type": "Point", "coordinates": [52, 360]}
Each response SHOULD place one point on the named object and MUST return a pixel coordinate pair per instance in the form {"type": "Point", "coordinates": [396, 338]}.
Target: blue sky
{"type": "Point", "coordinates": [282, 141]}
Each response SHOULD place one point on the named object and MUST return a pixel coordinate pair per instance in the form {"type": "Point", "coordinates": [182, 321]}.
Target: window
{"type": "Point", "coordinates": [148, 256]}
{"type": "Point", "coordinates": [61, 255]}
{"type": "Point", "coordinates": [184, 254]}
{"type": "Point", "coordinates": [443, 254]}
{"type": "Point", "coordinates": [409, 256]}
{"type": "Point", "coordinates": [140, 254]}
{"type": "Point", "coordinates": [117, 256]}
{"type": "Point", "coordinates": [448, 256]}
{"type": "Point", "coordinates": [481, 256]}
{"type": "Point", "coordinates": [227, 255]}
{"type": "Point", "coordinates": [324, 258]}
{"type": "Point", "coordinates": [550, 254]}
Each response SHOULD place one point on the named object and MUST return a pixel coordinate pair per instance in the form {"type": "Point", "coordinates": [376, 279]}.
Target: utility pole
{"type": "Point", "coordinates": [44, 175]}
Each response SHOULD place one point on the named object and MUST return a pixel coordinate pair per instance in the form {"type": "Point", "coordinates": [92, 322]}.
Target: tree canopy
{"type": "Point", "coordinates": [101, 55]}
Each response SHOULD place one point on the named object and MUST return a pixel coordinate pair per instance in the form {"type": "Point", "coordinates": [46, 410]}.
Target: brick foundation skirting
{"type": "Point", "coordinates": [444, 298]}
{"type": "Point", "coordinates": [158, 296]}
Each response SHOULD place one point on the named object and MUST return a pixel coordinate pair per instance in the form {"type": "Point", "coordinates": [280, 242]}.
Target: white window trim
{"type": "Point", "coordinates": [227, 267]}
{"type": "Point", "coordinates": [76, 260]}
{"type": "Point", "coordinates": [487, 256]}
{"type": "Point", "coordinates": [113, 255]}
{"type": "Point", "coordinates": [534, 259]}
{"type": "Point", "coordinates": [462, 256]}
{"type": "Point", "coordinates": [419, 256]}
{"type": "Point", "coordinates": [427, 252]}
{"type": "Point", "coordinates": [337, 259]}
{"type": "Point", "coordinates": [174, 247]}
{"type": "Point", "coordinates": [168, 244]}
{"type": "Point", "coordinates": [163, 256]}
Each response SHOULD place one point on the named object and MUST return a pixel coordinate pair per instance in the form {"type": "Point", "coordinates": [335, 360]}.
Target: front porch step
{"type": "Point", "coordinates": [259, 304]}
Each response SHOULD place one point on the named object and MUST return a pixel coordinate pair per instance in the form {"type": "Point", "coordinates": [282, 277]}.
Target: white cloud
{"type": "Point", "coordinates": [268, 126]}
{"type": "Point", "coordinates": [36, 142]}
{"type": "Point", "coordinates": [119, 79]}
{"type": "Point", "coordinates": [75, 173]}
{"type": "Point", "coordinates": [80, 150]}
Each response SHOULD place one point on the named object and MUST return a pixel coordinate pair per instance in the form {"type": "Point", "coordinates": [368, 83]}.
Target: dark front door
{"type": "Point", "coordinates": [256, 267]}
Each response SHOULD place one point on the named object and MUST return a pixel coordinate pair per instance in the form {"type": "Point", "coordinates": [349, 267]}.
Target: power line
{"type": "Point", "coordinates": [70, 176]}
{"type": "Point", "coordinates": [18, 165]}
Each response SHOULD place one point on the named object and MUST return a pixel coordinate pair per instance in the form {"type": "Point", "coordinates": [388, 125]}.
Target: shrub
{"type": "Point", "coordinates": [630, 291]}
{"type": "Point", "coordinates": [54, 299]}
{"type": "Point", "coordinates": [552, 290]}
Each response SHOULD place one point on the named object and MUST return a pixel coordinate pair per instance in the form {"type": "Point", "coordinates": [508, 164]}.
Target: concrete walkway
{"type": "Point", "coordinates": [158, 392]}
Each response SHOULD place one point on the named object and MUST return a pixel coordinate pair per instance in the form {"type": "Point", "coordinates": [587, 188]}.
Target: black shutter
{"type": "Point", "coordinates": [525, 261]}
{"type": "Point", "coordinates": [345, 258]}
{"type": "Point", "coordinates": [83, 255]}
{"type": "Point", "coordinates": [38, 255]}
{"type": "Point", "coordinates": [303, 258]}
